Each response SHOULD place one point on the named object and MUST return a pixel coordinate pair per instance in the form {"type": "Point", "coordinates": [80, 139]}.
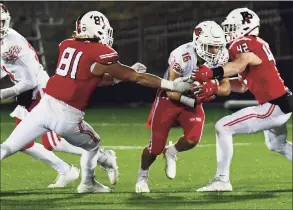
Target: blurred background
{"type": "Point", "coordinates": [147, 32]}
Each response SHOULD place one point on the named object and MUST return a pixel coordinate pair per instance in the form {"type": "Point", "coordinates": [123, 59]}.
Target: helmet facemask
{"type": "Point", "coordinates": [210, 52]}
{"type": "Point", "coordinates": [230, 31]}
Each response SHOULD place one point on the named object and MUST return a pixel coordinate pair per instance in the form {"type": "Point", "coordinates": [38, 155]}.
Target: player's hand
{"type": "Point", "coordinates": [209, 88]}
{"type": "Point", "coordinates": [139, 67]}
{"type": "Point", "coordinates": [202, 74]}
{"type": "Point", "coordinates": [182, 84]}
{"type": "Point", "coordinates": [196, 88]}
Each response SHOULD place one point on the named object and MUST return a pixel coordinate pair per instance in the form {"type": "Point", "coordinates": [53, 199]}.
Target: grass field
{"type": "Point", "coordinates": [261, 179]}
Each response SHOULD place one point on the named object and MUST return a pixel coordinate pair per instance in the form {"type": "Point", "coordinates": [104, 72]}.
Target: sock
{"type": "Point", "coordinates": [172, 150]}
{"type": "Point", "coordinates": [38, 151]}
{"type": "Point", "coordinates": [64, 146]}
{"type": "Point", "coordinates": [88, 163]}
{"type": "Point", "coordinates": [224, 148]}
{"type": "Point", "coordinates": [143, 173]}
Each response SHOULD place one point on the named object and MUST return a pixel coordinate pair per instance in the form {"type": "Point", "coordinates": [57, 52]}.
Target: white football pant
{"type": "Point", "coordinates": [66, 121]}
{"type": "Point", "coordinates": [267, 117]}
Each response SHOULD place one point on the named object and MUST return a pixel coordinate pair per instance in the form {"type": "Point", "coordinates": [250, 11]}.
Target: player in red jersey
{"type": "Point", "coordinates": [83, 63]}
{"type": "Point", "coordinates": [207, 48]}
{"type": "Point", "coordinates": [253, 60]}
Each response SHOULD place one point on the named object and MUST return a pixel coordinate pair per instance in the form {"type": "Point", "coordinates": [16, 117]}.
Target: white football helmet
{"type": "Point", "coordinates": [241, 22]}
{"type": "Point", "coordinates": [208, 34]}
{"type": "Point", "coordinates": [94, 24]}
{"type": "Point", "coordinates": [5, 21]}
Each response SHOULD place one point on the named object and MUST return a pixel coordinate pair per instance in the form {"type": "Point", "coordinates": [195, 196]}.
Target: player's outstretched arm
{"type": "Point", "coordinates": [108, 79]}
{"type": "Point", "coordinates": [240, 63]}
{"type": "Point", "coordinates": [125, 73]}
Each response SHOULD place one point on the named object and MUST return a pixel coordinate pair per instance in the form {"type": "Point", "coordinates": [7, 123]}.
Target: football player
{"type": "Point", "coordinates": [207, 48]}
{"type": "Point", "coordinates": [253, 60]}
{"type": "Point", "coordinates": [82, 64]}
{"type": "Point", "coordinates": [20, 62]}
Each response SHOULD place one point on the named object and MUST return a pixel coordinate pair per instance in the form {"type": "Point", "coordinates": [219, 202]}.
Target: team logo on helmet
{"type": "Point", "coordinates": [246, 17]}
{"type": "Point", "coordinates": [4, 8]}
{"type": "Point", "coordinates": [197, 31]}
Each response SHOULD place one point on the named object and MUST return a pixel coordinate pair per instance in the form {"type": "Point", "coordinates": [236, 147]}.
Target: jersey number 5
{"type": "Point", "coordinates": [69, 62]}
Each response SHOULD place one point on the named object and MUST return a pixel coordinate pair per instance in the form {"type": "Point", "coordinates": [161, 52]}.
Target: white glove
{"type": "Point", "coordinates": [182, 84]}
{"type": "Point", "coordinates": [139, 67]}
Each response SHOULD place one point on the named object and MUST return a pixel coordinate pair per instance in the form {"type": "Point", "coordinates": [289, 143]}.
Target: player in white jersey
{"type": "Point", "coordinates": [20, 62]}
{"type": "Point", "coordinates": [207, 48]}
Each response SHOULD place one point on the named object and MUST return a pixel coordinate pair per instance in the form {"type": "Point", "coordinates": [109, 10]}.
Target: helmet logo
{"type": "Point", "coordinates": [4, 8]}
{"type": "Point", "coordinates": [197, 31]}
{"type": "Point", "coordinates": [246, 17]}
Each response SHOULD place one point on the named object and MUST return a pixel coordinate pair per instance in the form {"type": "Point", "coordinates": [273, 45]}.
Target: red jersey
{"type": "Point", "coordinates": [263, 80]}
{"type": "Point", "coordinates": [73, 82]}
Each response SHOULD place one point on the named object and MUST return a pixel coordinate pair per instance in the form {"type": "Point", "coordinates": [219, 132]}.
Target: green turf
{"type": "Point", "coordinates": [261, 179]}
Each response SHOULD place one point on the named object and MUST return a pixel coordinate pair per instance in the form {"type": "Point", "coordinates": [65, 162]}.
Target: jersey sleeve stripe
{"type": "Point", "coordinates": [108, 55]}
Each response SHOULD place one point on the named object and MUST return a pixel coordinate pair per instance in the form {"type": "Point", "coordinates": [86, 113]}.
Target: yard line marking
{"type": "Point", "coordinates": [122, 124]}
{"type": "Point", "coordinates": [142, 147]}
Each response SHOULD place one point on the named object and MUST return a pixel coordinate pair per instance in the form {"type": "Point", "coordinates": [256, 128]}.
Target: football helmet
{"type": "Point", "coordinates": [5, 21]}
{"type": "Point", "coordinates": [94, 24]}
{"type": "Point", "coordinates": [206, 35]}
{"type": "Point", "coordinates": [241, 22]}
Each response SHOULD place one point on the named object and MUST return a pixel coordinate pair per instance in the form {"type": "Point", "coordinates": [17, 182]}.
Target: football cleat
{"type": "Point", "coordinates": [142, 185]}
{"type": "Point", "coordinates": [170, 164]}
{"type": "Point", "coordinates": [216, 185]}
{"type": "Point", "coordinates": [93, 187]}
{"type": "Point", "coordinates": [111, 168]}
{"type": "Point", "coordinates": [63, 179]}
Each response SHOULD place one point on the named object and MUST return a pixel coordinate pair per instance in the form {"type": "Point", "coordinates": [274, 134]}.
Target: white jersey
{"type": "Point", "coordinates": [183, 60]}
{"type": "Point", "coordinates": [20, 61]}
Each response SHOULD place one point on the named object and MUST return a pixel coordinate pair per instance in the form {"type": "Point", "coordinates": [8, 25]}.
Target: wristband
{"type": "Point", "coordinates": [187, 101]}
{"type": "Point", "coordinates": [166, 84]}
{"type": "Point", "coordinates": [218, 73]}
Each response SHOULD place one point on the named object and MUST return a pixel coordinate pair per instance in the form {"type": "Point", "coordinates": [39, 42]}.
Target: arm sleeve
{"type": "Point", "coordinates": [176, 62]}
{"type": "Point", "coordinates": [105, 54]}
{"type": "Point", "coordinates": [25, 74]}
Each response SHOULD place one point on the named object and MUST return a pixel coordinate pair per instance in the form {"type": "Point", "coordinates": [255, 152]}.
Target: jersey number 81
{"type": "Point", "coordinates": [69, 60]}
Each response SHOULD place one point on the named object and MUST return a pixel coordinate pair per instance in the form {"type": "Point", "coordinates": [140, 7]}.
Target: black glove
{"type": "Point", "coordinates": [25, 98]}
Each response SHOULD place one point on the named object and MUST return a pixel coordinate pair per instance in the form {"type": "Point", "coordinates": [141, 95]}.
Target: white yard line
{"type": "Point", "coordinates": [141, 147]}
{"type": "Point", "coordinates": [120, 124]}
